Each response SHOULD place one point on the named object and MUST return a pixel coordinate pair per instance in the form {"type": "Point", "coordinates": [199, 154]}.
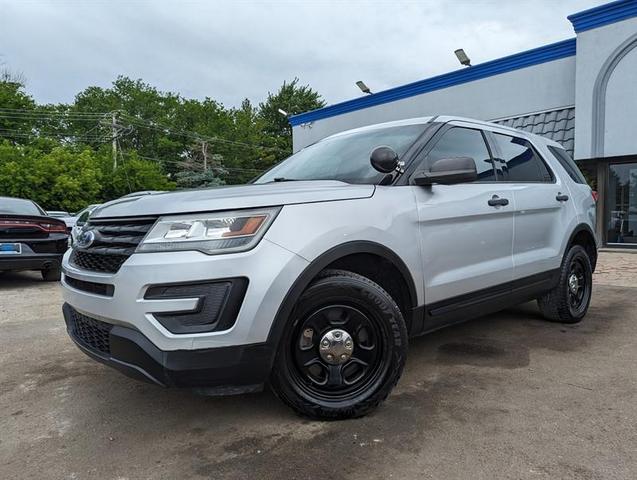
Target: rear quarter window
{"type": "Point", "coordinates": [569, 164]}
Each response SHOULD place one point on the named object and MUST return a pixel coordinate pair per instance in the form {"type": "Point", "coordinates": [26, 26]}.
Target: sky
{"type": "Point", "coordinates": [231, 50]}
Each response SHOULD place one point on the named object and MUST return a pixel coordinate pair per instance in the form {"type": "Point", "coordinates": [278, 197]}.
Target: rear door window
{"type": "Point", "coordinates": [519, 160]}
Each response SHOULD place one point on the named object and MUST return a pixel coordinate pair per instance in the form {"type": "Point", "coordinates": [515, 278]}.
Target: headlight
{"type": "Point", "coordinates": [210, 233]}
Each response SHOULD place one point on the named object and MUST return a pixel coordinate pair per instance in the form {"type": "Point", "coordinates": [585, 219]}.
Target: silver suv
{"type": "Point", "coordinates": [313, 278]}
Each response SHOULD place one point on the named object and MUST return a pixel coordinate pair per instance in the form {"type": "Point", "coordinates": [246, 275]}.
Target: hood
{"type": "Point", "coordinates": [233, 197]}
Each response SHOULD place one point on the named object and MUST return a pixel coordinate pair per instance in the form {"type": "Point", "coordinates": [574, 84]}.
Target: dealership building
{"type": "Point", "coordinates": [581, 92]}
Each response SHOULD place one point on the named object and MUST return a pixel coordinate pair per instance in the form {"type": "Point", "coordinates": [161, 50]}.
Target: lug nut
{"type": "Point", "coordinates": [343, 357]}
{"type": "Point", "coordinates": [329, 356]}
{"type": "Point", "coordinates": [325, 343]}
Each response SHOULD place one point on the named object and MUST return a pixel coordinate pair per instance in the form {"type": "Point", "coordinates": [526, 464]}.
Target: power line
{"type": "Point", "coordinates": [28, 114]}
{"type": "Point", "coordinates": [197, 136]}
{"type": "Point", "coordinates": [113, 121]}
{"type": "Point", "coordinates": [36, 117]}
{"type": "Point", "coordinates": [19, 111]}
{"type": "Point", "coordinates": [5, 132]}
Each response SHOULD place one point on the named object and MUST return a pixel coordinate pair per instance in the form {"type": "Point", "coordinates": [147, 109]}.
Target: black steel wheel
{"type": "Point", "coordinates": [578, 286]}
{"type": "Point", "coordinates": [344, 349]}
{"type": "Point", "coordinates": [568, 302]}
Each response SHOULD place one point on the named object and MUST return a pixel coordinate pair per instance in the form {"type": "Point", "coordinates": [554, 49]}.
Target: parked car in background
{"type": "Point", "coordinates": [80, 220]}
{"type": "Point", "coordinates": [67, 217]}
{"type": "Point", "coordinates": [57, 213]}
{"type": "Point", "coordinates": [314, 278]}
{"type": "Point", "coordinates": [30, 239]}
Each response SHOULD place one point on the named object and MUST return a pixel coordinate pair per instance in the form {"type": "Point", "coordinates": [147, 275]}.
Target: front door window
{"type": "Point", "coordinates": [622, 204]}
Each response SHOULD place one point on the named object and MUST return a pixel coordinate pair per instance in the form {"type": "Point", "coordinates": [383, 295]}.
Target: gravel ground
{"type": "Point", "coordinates": [506, 396]}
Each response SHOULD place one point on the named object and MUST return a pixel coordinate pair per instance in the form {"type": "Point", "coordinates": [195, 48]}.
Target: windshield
{"type": "Point", "coordinates": [19, 206]}
{"type": "Point", "coordinates": [344, 157]}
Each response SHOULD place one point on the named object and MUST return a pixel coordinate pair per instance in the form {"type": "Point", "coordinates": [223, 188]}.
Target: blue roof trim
{"type": "Point", "coordinates": [547, 53]}
{"type": "Point", "coordinates": [603, 15]}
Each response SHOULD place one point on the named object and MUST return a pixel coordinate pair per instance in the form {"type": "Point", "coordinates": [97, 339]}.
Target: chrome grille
{"type": "Point", "coordinates": [115, 240]}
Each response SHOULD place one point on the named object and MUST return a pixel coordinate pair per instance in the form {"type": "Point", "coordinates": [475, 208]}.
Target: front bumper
{"type": "Point", "coordinates": [225, 370]}
{"type": "Point", "coordinates": [271, 270]}
{"type": "Point", "coordinates": [235, 359]}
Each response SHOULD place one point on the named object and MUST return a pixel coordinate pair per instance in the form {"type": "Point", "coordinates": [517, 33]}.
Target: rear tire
{"type": "Point", "coordinates": [343, 349]}
{"type": "Point", "coordinates": [53, 274]}
{"type": "Point", "coordinates": [568, 302]}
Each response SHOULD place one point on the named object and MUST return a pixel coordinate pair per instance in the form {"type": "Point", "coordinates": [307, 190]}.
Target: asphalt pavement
{"type": "Point", "coordinates": [508, 396]}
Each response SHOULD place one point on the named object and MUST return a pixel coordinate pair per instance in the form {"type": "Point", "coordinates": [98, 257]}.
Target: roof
{"type": "Point", "coordinates": [394, 123]}
{"type": "Point", "coordinates": [582, 21]}
{"type": "Point", "coordinates": [558, 125]}
{"type": "Point", "coordinates": [603, 15]}
{"type": "Point", "coordinates": [536, 56]}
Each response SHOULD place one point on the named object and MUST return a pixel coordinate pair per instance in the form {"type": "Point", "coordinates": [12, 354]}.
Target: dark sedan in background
{"type": "Point", "coordinates": [29, 239]}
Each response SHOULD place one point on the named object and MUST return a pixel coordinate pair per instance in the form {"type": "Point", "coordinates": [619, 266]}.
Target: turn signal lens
{"type": "Point", "coordinates": [245, 226]}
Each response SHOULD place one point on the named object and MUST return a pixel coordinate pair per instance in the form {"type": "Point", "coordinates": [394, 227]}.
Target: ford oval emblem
{"type": "Point", "coordinates": [86, 239]}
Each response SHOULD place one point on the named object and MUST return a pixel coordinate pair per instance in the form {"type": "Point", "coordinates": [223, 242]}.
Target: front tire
{"type": "Point", "coordinates": [568, 302]}
{"type": "Point", "coordinates": [343, 350]}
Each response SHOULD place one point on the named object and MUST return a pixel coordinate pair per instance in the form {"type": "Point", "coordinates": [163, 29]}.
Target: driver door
{"type": "Point", "coordinates": [466, 243]}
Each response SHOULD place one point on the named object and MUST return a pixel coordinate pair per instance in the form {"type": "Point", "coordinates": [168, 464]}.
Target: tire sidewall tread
{"type": "Point", "coordinates": [360, 288]}
{"type": "Point", "coordinates": [554, 304]}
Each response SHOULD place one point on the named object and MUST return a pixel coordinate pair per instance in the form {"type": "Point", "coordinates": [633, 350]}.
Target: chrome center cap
{"type": "Point", "coordinates": [336, 346]}
{"type": "Point", "coordinates": [573, 283]}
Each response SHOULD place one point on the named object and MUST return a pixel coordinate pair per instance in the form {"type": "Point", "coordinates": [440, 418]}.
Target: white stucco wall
{"type": "Point", "coordinates": [620, 126]}
{"type": "Point", "coordinates": [606, 119]}
{"type": "Point", "coordinates": [540, 87]}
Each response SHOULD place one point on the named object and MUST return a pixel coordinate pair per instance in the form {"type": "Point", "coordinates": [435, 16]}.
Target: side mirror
{"type": "Point", "coordinates": [384, 159]}
{"type": "Point", "coordinates": [448, 171]}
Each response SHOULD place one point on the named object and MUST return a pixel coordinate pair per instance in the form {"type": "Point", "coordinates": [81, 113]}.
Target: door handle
{"type": "Point", "coordinates": [561, 197]}
{"type": "Point", "coordinates": [496, 201]}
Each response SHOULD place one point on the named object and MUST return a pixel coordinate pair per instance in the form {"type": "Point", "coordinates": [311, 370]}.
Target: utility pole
{"type": "Point", "coordinates": [114, 141]}
{"type": "Point", "coordinates": [204, 153]}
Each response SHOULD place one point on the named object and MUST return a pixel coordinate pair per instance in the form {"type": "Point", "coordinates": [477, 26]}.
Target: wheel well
{"type": "Point", "coordinates": [383, 272]}
{"type": "Point", "coordinates": [585, 238]}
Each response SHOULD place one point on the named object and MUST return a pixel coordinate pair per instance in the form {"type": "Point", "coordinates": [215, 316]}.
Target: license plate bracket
{"type": "Point", "coordinates": [10, 248]}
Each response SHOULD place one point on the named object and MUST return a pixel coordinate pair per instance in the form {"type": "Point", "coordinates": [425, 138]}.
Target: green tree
{"type": "Point", "coordinates": [293, 99]}
{"type": "Point", "coordinates": [132, 175]}
{"type": "Point", "coordinates": [60, 155]}
{"type": "Point", "coordinates": [16, 124]}
{"type": "Point", "coordinates": [63, 178]}
{"type": "Point", "coordinates": [189, 179]}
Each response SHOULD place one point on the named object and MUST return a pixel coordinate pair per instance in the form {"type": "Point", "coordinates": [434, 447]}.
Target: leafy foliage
{"type": "Point", "coordinates": [61, 155]}
{"type": "Point", "coordinates": [293, 99]}
{"type": "Point", "coordinates": [62, 177]}
{"type": "Point", "coordinates": [188, 179]}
